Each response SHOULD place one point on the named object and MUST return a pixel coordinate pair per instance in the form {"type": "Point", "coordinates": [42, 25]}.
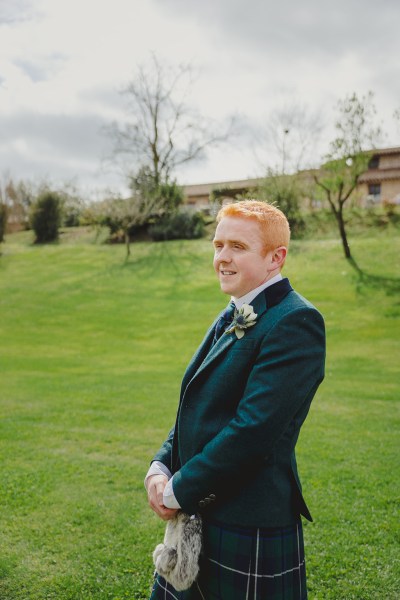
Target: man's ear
{"type": "Point", "coordinates": [278, 257]}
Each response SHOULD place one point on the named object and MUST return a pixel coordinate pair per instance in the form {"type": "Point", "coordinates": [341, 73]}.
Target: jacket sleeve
{"type": "Point", "coordinates": [164, 454]}
{"type": "Point", "coordinates": [283, 379]}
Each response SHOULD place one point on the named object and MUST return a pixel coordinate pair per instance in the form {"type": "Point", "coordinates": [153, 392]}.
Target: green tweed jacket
{"type": "Point", "coordinates": [243, 401]}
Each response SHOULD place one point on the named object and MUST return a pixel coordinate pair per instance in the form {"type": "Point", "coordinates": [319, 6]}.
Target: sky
{"type": "Point", "coordinates": [63, 64]}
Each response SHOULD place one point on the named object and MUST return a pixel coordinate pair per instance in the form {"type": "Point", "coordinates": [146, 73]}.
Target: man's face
{"type": "Point", "coordinates": [240, 261]}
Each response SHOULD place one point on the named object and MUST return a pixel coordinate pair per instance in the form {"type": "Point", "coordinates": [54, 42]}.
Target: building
{"type": "Point", "coordinates": [198, 196]}
{"type": "Point", "coordinates": [379, 184]}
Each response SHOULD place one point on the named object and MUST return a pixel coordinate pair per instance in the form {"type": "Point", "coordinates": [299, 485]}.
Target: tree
{"type": "Point", "coordinates": [286, 192]}
{"type": "Point", "coordinates": [291, 135]}
{"type": "Point", "coordinates": [180, 225]}
{"type": "Point", "coordinates": [18, 196]}
{"type": "Point", "coordinates": [72, 205]}
{"type": "Point", "coordinates": [121, 216]}
{"type": "Point", "coordinates": [3, 220]}
{"type": "Point", "coordinates": [157, 196]}
{"type": "Point", "coordinates": [5, 184]}
{"type": "Point", "coordinates": [46, 217]}
{"type": "Point", "coordinates": [148, 201]}
{"type": "Point", "coordinates": [396, 116]}
{"type": "Point", "coordinates": [348, 156]}
{"type": "Point", "coordinates": [162, 132]}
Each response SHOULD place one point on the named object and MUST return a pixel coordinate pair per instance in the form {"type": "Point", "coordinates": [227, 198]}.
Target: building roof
{"type": "Point", "coordinates": [377, 175]}
{"type": "Point", "coordinates": [202, 189]}
{"type": "Point", "coordinates": [384, 151]}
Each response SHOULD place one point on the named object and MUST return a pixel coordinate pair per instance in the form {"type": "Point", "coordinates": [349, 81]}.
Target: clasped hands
{"type": "Point", "coordinates": [155, 490]}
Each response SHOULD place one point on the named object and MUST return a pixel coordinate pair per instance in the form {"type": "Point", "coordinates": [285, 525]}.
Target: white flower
{"type": "Point", "coordinates": [243, 318]}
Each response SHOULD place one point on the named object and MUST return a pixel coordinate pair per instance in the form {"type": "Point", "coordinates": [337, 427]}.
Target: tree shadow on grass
{"type": "Point", "coordinates": [390, 285]}
{"type": "Point", "coordinates": [175, 257]}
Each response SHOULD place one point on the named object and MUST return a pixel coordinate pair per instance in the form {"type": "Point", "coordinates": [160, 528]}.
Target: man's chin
{"type": "Point", "coordinates": [227, 289]}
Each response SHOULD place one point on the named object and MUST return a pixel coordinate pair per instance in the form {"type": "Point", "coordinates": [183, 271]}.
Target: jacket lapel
{"type": "Point", "coordinates": [199, 355]}
{"type": "Point", "coordinates": [207, 353]}
{"type": "Point", "coordinates": [274, 294]}
{"type": "Point", "coordinates": [224, 342]}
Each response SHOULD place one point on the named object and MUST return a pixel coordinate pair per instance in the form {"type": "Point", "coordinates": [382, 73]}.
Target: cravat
{"type": "Point", "coordinates": [224, 320]}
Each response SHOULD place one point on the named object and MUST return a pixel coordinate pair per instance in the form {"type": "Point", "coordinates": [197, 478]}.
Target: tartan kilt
{"type": "Point", "coordinates": [239, 563]}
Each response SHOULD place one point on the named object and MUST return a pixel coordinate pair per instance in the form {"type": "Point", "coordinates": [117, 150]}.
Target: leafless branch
{"type": "Point", "coordinates": [161, 130]}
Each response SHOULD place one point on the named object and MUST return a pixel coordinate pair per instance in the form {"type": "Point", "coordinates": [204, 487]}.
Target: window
{"type": "Point", "coordinates": [374, 162]}
{"type": "Point", "coordinates": [374, 189]}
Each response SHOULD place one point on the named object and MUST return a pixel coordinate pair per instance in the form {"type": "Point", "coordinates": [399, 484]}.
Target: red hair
{"type": "Point", "coordinates": [273, 223]}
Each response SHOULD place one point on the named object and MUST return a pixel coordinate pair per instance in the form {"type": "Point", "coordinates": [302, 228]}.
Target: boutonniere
{"type": "Point", "coordinates": [243, 318]}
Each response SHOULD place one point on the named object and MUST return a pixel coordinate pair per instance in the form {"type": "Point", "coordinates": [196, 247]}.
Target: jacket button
{"type": "Point", "coordinates": [202, 503]}
{"type": "Point", "coordinates": [212, 497]}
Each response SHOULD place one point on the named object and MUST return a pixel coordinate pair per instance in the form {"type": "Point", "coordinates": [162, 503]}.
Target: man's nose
{"type": "Point", "coordinates": [224, 255]}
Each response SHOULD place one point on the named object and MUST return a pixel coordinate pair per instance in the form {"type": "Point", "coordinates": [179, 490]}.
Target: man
{"type": "Point", "coordinates": [245, 395]}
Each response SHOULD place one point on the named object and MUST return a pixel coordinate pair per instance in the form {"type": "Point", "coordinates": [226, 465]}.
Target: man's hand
{"type": "Point", "coordinates": [155, 490]}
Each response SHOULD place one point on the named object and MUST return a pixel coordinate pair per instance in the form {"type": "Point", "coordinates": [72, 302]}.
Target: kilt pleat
{"type": "Point", "coordinates": [245, 564]}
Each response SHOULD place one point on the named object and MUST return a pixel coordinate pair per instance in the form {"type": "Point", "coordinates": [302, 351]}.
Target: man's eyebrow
{"type": "Point", "coordinates": [241, 242]}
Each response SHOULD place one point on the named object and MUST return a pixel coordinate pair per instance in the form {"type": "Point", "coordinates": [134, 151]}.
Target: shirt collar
{"type": "Point", "coordinates": [249, 297]}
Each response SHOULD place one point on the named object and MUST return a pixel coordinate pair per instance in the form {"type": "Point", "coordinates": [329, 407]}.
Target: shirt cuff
{"type": "Point", "coordinates": [169, 497]}
{"type": "Point", "coordinates": [157, 468]}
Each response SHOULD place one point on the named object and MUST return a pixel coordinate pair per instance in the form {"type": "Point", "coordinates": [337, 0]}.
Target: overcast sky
{"type": "Point", "coordinates": [63, 62]}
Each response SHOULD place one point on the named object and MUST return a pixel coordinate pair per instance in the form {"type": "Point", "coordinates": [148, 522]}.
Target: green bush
{"type": "Point", "coordinates": [120, 216]}
{"type": "Point", "coordinates": [3, 220]}
{"type": "Point", "coordinates": [178, 226]}
{"type": "Point", "coordinates": [46, 217]}
{"type": "Point", "coordinates": [71, 210]}
{"type": "Point", "coordinates": [359, 220]}
{"type": "Point", "coordinates": [319, 222]}
{"type": "Point", "coordinates": [285, 192]}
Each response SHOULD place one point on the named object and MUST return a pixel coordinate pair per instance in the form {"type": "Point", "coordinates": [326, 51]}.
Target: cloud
{"type": "Point", "coordinates": [62, 62]}
{"type": "Point", "coordinates": [53, 146]}
{"type": "Point", "coordinates": [15, 11]}
{"type": "Point", "coordinates": [41, 70]}
{"type": "Point", "coordinates": [311, 27]}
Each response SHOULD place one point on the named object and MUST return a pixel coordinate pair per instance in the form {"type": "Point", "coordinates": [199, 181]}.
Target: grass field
{"type": "Point", "coordinates": [91, 356]}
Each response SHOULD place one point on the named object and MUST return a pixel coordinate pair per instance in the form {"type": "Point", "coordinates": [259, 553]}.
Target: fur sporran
{"type": "Point", "coordinates": [177, 559]}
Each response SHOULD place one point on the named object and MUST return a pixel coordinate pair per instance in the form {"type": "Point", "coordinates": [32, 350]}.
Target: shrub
{"type": "Point", "coordinates": [46, 217]}
{"type": "Point", "coordinates": [121, 216]}
{"type": "Point", "coordinates": [288, 203]}
{"type": "Point", "coordinates": [285, 192]}
{"type": "Point", "coordinates": [130, 218]}
{"type": "Point", "coordinates": [178, 226]}
{"type": "Point", "coordinates": [71, 210]}
{"type": "Point", "coordinates": [170, 196]}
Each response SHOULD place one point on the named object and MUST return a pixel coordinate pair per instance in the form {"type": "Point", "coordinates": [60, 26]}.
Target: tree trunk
{"type": "Point", "coordinates": [128, 245]}
{"type": "Point", "coordinates": [342, 231]}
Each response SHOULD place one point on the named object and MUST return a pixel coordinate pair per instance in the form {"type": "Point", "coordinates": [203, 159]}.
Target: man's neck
{"type": "Point", "coordinates": [249, 297]}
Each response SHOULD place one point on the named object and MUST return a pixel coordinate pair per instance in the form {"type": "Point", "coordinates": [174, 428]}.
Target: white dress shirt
{"type": "Point", "coordinates": [158, 468]}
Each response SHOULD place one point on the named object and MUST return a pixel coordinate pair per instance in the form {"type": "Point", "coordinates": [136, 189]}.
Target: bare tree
{"type": "Point", "coordinates": [18, 197]}
{"type": "Point", "coordinates": [291, 135]}
{"type": "Point", "coordinates": [162, 131]}
{"type": "Point", "coordinates": [348, 157]}
{"type": "Point", "coordinates": [396, 116]}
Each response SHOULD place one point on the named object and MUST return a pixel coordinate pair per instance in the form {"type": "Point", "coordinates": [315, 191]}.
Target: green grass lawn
{"type": "Point", "coordinates": [91, 357]}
